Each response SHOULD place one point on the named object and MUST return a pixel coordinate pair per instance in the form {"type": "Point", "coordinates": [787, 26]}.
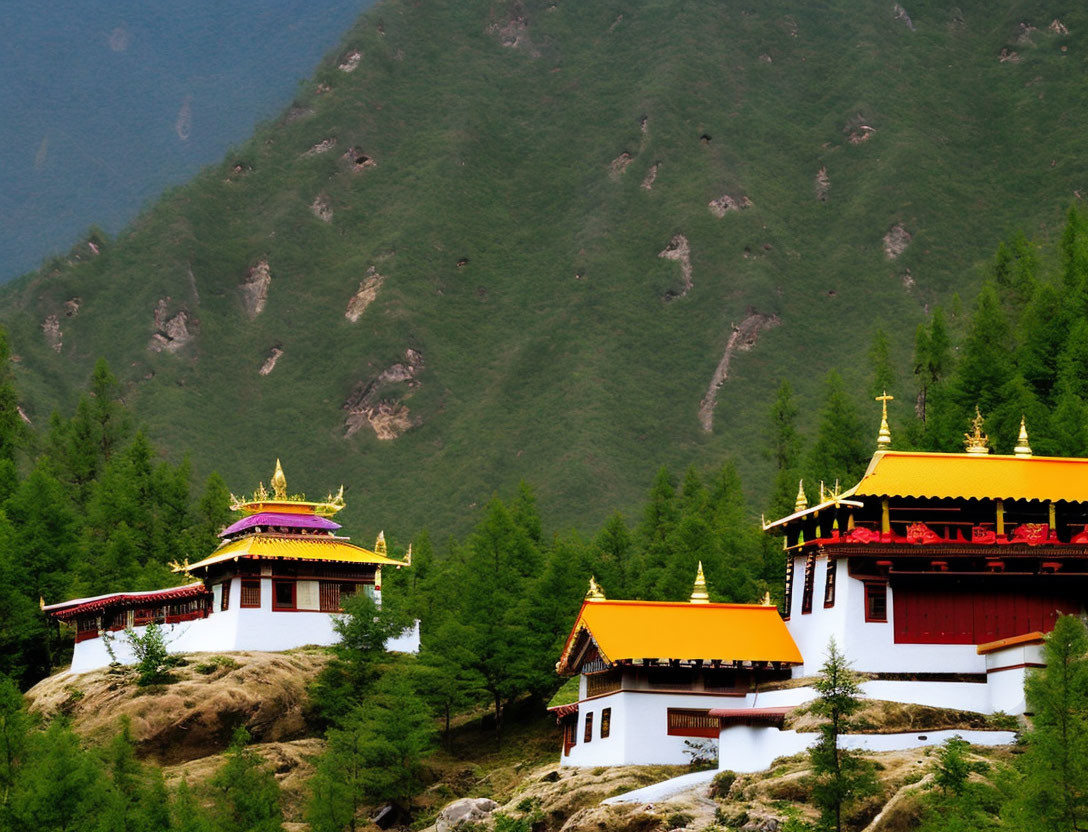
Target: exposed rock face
{"type": "Point", "coordinates": [388, 417]}
{"type": "Point", "coordinates": [513, 33]}
{"type": "Point", "coordinates": [743, 338]}
{"type": "Point", "coordinates": [365, 295]}
{"type": "Point", "coordinates": [823, 184]}
{"type": "Point", "coordinates": [465, 810]}
{"type": "Point", "coordinates": [358, 160]}
{"type": "Point", "coordinates": [1007, 56]}
{"type": "Point", "coordinates": [896, 241]}
{"type": "Point", "coordinates": [321, 208]}
{"type": "Point", "coordinates": [899, 13]}
{"type": "Point", "coordinates": [270, 362]}
{"type": "Point", "coordinates": [725, 203]}
{"type": "Point", "coordinates": [620, 164]}
{"type": "Point", "coordinates": [1056, 27]}
{"type": "Point", "coordinates": [351, 61]}
{"type": "Point", "coordinates": [679, 250]}
{"type": "Point", "coordinates": [194, 716]}
{"type": "Point", "coordinates": [171, 333]}
{"type": "Point", "coordinates": [54, 336]}
{"type": "Point", "coordinates": [71, 307]}
{"type": "Point", "coordinates": [651, 176]}
{"type": "Point", "coordinates": [255, 288]}
{"type": "Point", "coordinates": [22, 414]}
{"type": "Point", "coordinates": [323, 146]}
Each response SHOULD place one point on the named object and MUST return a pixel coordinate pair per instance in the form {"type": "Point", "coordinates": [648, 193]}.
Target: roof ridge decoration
{"type": "Point", "coordinates": [594, 593]}
{"type": "Point", "coordinates": [1022, 449]}
{"type": "Point", "coordinates": [802, 501]}
{"type": "Point", "coordinates": [884, 435]}
{"type": "Point", "coordinates": [379, 544]}
{"type": "Point", "coordinates": [976, 441]}
{"type": "Point", "coordinates": [699, 595]}
{"type": "Point", "coordinates": [282, 501]}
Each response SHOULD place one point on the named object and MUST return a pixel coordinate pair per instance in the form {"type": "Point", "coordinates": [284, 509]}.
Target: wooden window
{"type": "Point", "coordinates": [810, 577]}
{"type": "Point", "coordinates": [588, 736]}
{"type": "Point", "coordinates": [330, 596]}
{"type": "Point", "coordinates": [601, 683]}
{"type": "Point", "coordinates": [606, 722]}
{"type": "Point", "coordinates": [284, 595]}
{"type": "Point", "coordinates": [876, 601]}
{"type": "Point", "coordinates": [684, 722]}
{"type": "Point", "coordinates": [225, 603]}
{"type": "Point", "coordinates": [829, 583]}
{"type": "Point", "coordinates": [251, 594]}
{"type": "Point", "coordinates": [787, 599]}
{"type": "Point", "coordinates": [570, 733]}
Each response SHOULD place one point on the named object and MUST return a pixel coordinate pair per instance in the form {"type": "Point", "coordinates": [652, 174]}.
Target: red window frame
{"type": "Point", "coordinates": [250, 588]}
{"type": "Point", "coordinates": [606, 722]}
{"type": "Point", "coordinates": [276, 585]}
{"type": "Point", "coordinates": [588, 736]}
{"type": "Point", "coordinates": [876, 593]}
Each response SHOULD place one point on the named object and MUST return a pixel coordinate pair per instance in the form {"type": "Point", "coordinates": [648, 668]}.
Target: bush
{"type": "Point", "coordinates": [216, 663]}
{"type": "Point", "coordinates": [722, 784]}
{"type": "Point", "coordinates": [674, 820]}
{"type": "Point", "coordinates": [151, 656]}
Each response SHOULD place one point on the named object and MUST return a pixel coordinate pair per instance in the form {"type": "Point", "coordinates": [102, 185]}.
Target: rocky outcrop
{"type": "Point", "coordinates": [71, 307]}
{"type": "Point", "coordinates": [823, 184]}
{"type": "Point", "coordinates": [469, 810]}
{"type": "Point", "coordinates": [743, 338]}
{"type": "Point", "coordinates": [725, 203]}
{"type": "Point", "coordinates": [270, 363]}
{"type": "Point", "coordinates": [323, 146]}
{"type": "Point", "coordinates": [679, 250]}
{"type": "Point", "coordinates": [620, 164]}
{"type": "Point", "coordinates": [513, 31]}
{"type": "Point", "coordinates": [196, 714]}
{"type": "Point", "coordinates": [368, 404]}
{"type": "Point", "coordinates": [321, 208]}
{"type": "Point", "coordinates": [651, 177]}
{"type": "Point", "coordinates": [900, 14]}
{"type": "Point", "coordinates": [351, 61]}
{"type": "Point", "coordinates": [357, 160]}
{"type": "Point", "coordinates": [365, 295]}
{"type": "Point", "coordinates": [54, 335]}
{"type": "Point", "coordinates": [254, 288]}
{"type": "Point", "coordinates": [171, 333]}
{"type": "Point", "coordinates": [896, 241]}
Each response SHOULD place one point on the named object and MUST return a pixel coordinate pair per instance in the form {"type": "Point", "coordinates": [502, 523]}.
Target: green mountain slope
{"type": "Point", "coordinates": [469, 175]}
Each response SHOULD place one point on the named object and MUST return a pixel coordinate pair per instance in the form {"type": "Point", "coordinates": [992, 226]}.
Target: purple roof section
{"type": "Point", "coordinates": [290, 521]}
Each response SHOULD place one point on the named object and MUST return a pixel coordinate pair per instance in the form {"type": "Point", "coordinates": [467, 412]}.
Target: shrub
{"type": "Point", "coordinates": [722, 784]}
{"type": "Point", "coordinates": [151, 656]}
{"type": "Point", "coordinates": [677, 820]}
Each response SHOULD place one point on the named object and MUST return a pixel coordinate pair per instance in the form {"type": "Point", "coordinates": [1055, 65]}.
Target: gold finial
{"type": "Point", "coordinates": [976, 441]}
{"type": "Point", "coordinates": [594, 593]}
{"type": "Point", "coordinates": [41, 602]}
{"type": "Point", "coordinates": [884, 436]}
{"type": "Point", "coordinates": [408, 556]}
{"type": "Point", "coordinates": [802, 500]}
{"type": "Point", "coordinates": [279, 482]}
{"type": "Point", "coordinates": [379, 544]}
{"type": "Point", "coordinates": [699, 595]}
{"type": "Point", "coordinates": [767, 602]}
{"type": "Point", "coordinates": [1022, 447]}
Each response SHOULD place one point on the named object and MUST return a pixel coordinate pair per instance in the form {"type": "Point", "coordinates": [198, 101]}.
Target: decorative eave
{"type": "Point", "coordinates": [841, 500]}
{"type": "Point", "coordinates": [81, 606]}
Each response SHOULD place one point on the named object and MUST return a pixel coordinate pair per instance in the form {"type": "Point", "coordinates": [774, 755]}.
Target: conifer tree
{"type": "Point", "coordinates": [246, 794]}
{"type": "Point", "coordinates": [882, 368]}
{"type": "Point", "coordinates": [985, 364]}
{"type": "Point", "coordinates": [14, 727]}
{"type": "Point", "coordinates": [185, 813]}
{"type": "Point", "coordinates": [613, 551]}
{"type": "Point", "coordinates": [11, 423]}
{"type": "Point", "coordinates": [659, 517]}
{"type": "Point", "coordinates": [1044, 328]}
{"type": "Point", "coordinates": [841, 450]}
{"type": "Point", "coordinates": [840, 776]}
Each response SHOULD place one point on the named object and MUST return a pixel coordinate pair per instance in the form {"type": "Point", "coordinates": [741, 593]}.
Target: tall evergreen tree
{"type": "Point", "coordinates": [247, 796]}
{"type": "Point", "coordinates": [841, 450]}
{"type": "Point", "coordinates": [986, 363]}
{"type": "Point", "coordinates": [882, 367]}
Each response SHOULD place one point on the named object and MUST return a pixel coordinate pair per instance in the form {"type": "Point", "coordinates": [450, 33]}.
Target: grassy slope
{"type": "Point", "coordinates": [501, 155]}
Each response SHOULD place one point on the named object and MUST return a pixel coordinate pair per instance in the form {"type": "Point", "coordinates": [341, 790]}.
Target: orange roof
{"type": "Point", "coordinates": [974, 477]}
{"type": "Point", "coordinates": [668, 630]}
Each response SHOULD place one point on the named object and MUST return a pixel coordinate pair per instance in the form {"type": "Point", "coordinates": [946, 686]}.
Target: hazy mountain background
{"type": "Point", "coordinates": [106, 103]}
{"type": "Point", "coordinates": [492, 241]}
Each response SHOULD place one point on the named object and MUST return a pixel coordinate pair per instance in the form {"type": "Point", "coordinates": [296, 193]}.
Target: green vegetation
{"type": "Point", "coordinates": [500, 156]}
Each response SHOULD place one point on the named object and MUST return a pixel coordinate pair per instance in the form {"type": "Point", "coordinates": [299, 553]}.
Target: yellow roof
{"type": "Point", "coordinates": [974, 477]}
{"type": "Point", "coordinates": [666, 630]}
{"type": "Point", "coordinates": [296, 548]}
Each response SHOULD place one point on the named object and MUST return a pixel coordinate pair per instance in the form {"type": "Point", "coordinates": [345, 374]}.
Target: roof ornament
{"type": "Point", "coordinates": [279, 482]}
{"type": "Point", "coordinates": [408, 556]}
{"type": "Point", "coordinates": [802, 500]}
{"type": "Point", "coordinates": [976, 441]}
{"type": "Point", "coordinates": [183, 567]}
{"type": "Point", "coordinates": [379, 544]}
{"type": "Point", "coordinates": [767, 602]}
{"type": "Point", "coordinates": [884, 436]}
{"type": "Point", "coordinates": [699, 595]}
{"type": "Point", "coordinates": [594, 593]}
{"type": "Point", "coordinates": [1022, 449]}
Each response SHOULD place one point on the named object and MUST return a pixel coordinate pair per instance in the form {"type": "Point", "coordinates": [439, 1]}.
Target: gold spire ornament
{"type": "Point", "coordinates": [594, 593]}
{"type": "Point", "coordinates": [408, 556]}
{"type": "Point", "coordinates": [767, 602]}
{"type": "Point", "coordinates": [884, 435]}
{"type": "Point", "coordinates": [379, 544]}
{"type": "Point", "coordinates": [1022, 447]}
{"type": "Point", "coordinates": [976, 441]}
{"type": "Point", "coordinates": [699, 595]}
{"type": "Point", "coordinates": [279, 482]}
{"type": "Point", "coordinates": [802, 500]}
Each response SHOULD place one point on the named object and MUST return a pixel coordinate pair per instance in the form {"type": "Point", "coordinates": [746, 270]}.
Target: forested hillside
{"type": "Point", "coordinates": [569, 243]}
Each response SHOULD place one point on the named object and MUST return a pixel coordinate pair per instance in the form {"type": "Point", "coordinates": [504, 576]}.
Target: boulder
{"type": "Point", "coordinates": [465, 810]}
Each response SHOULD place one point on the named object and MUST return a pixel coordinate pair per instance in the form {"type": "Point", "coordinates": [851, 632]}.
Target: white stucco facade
{"type": "Point", "coordinates": [235, 628]}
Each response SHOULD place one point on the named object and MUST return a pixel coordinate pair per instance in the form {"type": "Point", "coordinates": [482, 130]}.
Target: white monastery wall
{"type": "Point", "coordinates": [745, 749]}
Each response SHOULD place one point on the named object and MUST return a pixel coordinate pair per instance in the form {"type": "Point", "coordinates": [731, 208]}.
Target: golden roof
{"type": "Point", "coordinates": [280, 502]}
{"type": "Point", "coordinates": [665, 630]}
{"type": "Point", "coordinates": [292, 548]}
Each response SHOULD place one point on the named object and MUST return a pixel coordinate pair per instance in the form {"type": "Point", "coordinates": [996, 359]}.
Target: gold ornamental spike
{"type": "Point", "coordinates": [379, 544]}
{"type": "Point", "coordinates": [594, 593]}
{"type": "Point", "coordinates": [279, 482]}
{"type": "Point", "coordinates": [976, 441]}
{"type": "Point", "coordinates": [1022, 447]}
{"type": "Point", "coordinates": [884, 436]}
{"type": "Point", "coordinates": [41, 602]}
{"type": "Point", "coordinates": [767, 602]}
{"type": "Point", "coordinates": [802, 500]}
{"type": "Point", "coordinates": [408, 556]}
{"type": "Point", "coordinates": [699, 595]}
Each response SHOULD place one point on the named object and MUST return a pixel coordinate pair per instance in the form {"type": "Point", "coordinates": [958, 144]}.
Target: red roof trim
{"type": "Point", "coordinates": [130, 599]}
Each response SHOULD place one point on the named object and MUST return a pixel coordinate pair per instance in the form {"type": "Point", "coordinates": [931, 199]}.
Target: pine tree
{"type": "Point", "coordinates": [525, 513]}
{"type": "Point", "coordinates": [14, 728]}
{"type": "Point", "coordinates": [840, 776]}
{"type": "Point", "coordinates": [614, 552]}
{"type": "Point", "coordinates": [246, 794]}
{"type": "Point", "coordinates": [186, 814]}
{"type": "Point", "coordinates": [986, 356]}
{"type": "Point", "coordinates": [12, 432]}
{"type": "Point", "coordinates": [1044, 328]}
{"type": "Point", "coordinates": [784, 440]}
{"type": "Point", "coordinates": [841, 451]}
{"type": "Point", "coordinates": [659, 517]}
{"type": "Point", "coordinates": [882, 368]}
